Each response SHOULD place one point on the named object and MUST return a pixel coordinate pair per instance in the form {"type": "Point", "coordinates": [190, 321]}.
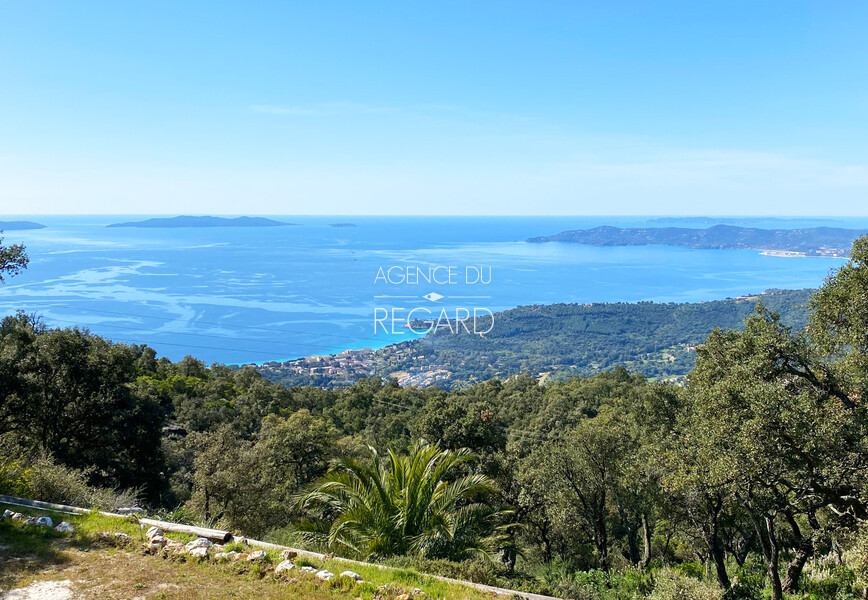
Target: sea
{"type": "Point", "coordinates": [327, 284]}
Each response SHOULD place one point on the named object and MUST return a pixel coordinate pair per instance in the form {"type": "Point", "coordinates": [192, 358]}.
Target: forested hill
{"type": "Point", "coordinates": [551, 341]}
{"type": "Point", "coordinates": [813, 241]}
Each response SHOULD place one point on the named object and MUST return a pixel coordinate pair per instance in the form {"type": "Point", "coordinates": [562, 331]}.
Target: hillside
{"type": "Point", "coordinates": [185, 221]}
{"type": "Point", "coordinates": [814, 241]}
{"type": "Point", "coordinates": [557, 341]}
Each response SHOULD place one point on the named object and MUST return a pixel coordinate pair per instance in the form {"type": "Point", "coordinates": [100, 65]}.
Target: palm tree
{"type": "Point", "coordinates": [419, 504]}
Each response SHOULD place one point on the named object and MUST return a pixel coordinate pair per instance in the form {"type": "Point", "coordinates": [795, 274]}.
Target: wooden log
{"type": "Point", "coordinates": [225, 536]}
{"type": "Point", "coordinates": [70, 510]}
{"type": "Point", "coordinates": [216, 535]}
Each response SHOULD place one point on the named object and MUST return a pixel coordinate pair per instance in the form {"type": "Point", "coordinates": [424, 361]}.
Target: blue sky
{"type": "Point", "coordinates": [691, 107]}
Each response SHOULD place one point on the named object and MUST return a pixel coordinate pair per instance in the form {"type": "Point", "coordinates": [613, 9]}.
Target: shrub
{"type": "Point", "coordinates": [565, 582]}
{"type": "Point", "coordinates": [825, 579]}
{"type": "Point", "coordinates": [13, 478]}
{"type": "Point", "coordinates": [672, 585]}
{"type": "Point", "coordinates": [423, 503]}
{"type": "Point", "coordinates": [40, 478]}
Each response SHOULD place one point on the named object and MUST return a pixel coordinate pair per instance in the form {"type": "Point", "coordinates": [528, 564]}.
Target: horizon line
{"type": "Point", "coordinates": [450, 215]}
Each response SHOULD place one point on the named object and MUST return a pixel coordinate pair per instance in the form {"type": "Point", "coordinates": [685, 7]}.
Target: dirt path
{"type": "Point", "coordinates": [42, 590]}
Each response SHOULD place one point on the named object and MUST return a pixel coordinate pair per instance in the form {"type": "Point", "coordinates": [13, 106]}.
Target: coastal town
{"type": "Point", "coordinates": [347, 367]}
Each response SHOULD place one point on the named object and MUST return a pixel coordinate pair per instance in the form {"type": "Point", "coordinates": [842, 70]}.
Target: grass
{"type": "Point", "coordinates": [101, 569]}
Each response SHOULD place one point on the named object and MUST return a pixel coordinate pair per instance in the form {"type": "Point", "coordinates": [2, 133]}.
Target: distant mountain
{"type": "Point", "coordinates": [742, 221]}
{"type": "Point", "coordinates": [18, 225]}
{"type": "Point", "coordinates": [184, 221]}
{"type": "Point", "coordinates": [342, 225]}
{"type": "Point", "coordinates": [814, 241]}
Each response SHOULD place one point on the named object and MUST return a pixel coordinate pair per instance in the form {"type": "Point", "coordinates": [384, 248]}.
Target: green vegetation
{"type": "Point", "coordinates": [558, 341]}
{"type": "Point", "coordinates": [92, 558]}
{"type": "Point", "coordinates": [748, 482]}
{"type": "Point", "coordinates": [416, 504]}
{"type": "Point", "coordinates": [12, 259]}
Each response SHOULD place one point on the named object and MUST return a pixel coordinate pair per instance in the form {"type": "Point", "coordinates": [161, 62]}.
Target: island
{"type": "Point", "coordinates": [20, 225]}
{"type": "Point", "coordinates": [342, 225]}
{"type": "Point", "coordinates": [813, 241]}
{"type": "Point", "coordinates": [185, 221]}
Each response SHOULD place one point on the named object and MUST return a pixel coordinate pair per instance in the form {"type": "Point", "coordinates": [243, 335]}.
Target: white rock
{"type": "Point", "coordinates": [45, 521]}
{"type": "Point", "coordinates": [64, 527]}
{"type": "Point", "coordinates": [122, 538]}
{"type": "Point", "coordinates": [153, 532]}
{"type": "Point", "coordinates": [307, 569]}
{"type": "Point", "coordinates": [7, 513]}
{"type": "Point", "coordinates": [286, 565]}
{"type": "Point", "coordinates": [30, 521]}
{"type": "Point", "coordinates": [199, 552]}
{"type": "Point", "coordinates": [256, 555]}
{"type": "Point", "coordinates": [417, 592]}
{"type": "Point", "coordinates": [325, 575]}
{"type": "Point", "coordinates": [199, 543]}
{"type": "Point", "coordinates": [240, 540]}
{"type": "Point", "coordinates": [352, 575]}
{"type": "Point", "coordinates": [221, 556]}
{"type": "Point", "coordinates": [158, 540]}
{"type": "Point", "coordinates": [18, 516]}
{"type": "Point", "coordinates": [287, 554]}
{"type": "Point", "coordinates": [130, 510]}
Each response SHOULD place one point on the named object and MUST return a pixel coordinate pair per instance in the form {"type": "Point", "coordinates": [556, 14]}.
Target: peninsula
{"type": "Point", "coordinates": [553, 342]}
{"type": "Point", "coordinates": [814, 241]}
{"type": "Point", "coordinates": [185, 221]}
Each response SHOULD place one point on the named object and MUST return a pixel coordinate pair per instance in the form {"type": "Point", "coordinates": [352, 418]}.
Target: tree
{"type": "Point", "coordinates": [767, 426]}
{"type": "Point", "coordinates": [68, 393]}
{"type": "Point", "coordinates": [583, 472]}
{"type": "Point", "coordinates": [838, 328]}
{"type": "Point", "coordinates": [17, 342]}
{"type": "Point", "coordinates": [294, 450]}
{"type": "Point", "coordinates": [13, 259]}
{"type": "Point", "coordinates": [456, 421]}
{"type": "Point", "coordinates": [417, 503]}
{"type": "Point", "coordinates": [227, 485]}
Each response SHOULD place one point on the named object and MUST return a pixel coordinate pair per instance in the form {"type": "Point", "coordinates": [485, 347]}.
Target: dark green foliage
{"type": "Point", "coordinates": [12, 259]}
{"type": "Point", "coordinates": [67, 392]}
{"type": "Point", "coordinates": [568, 340]}
{"type": "Point", "coordinates": [423, 503]}
{"type": "Point", "coordinates": [751, 479]}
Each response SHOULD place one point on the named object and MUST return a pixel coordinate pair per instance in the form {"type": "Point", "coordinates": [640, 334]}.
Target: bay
{"type": "Point", "coordinates": [239, 295]}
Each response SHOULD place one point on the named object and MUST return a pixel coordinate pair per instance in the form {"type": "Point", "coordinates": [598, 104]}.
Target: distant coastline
{"type": "Point", "coordinates": [829, 242]}
{"type": "Point", "coordinates": [206, 221]}
{"type": "Point", "coordinates": [660, 342]}
{"type": "Point", "coordinates": [740, 221]}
